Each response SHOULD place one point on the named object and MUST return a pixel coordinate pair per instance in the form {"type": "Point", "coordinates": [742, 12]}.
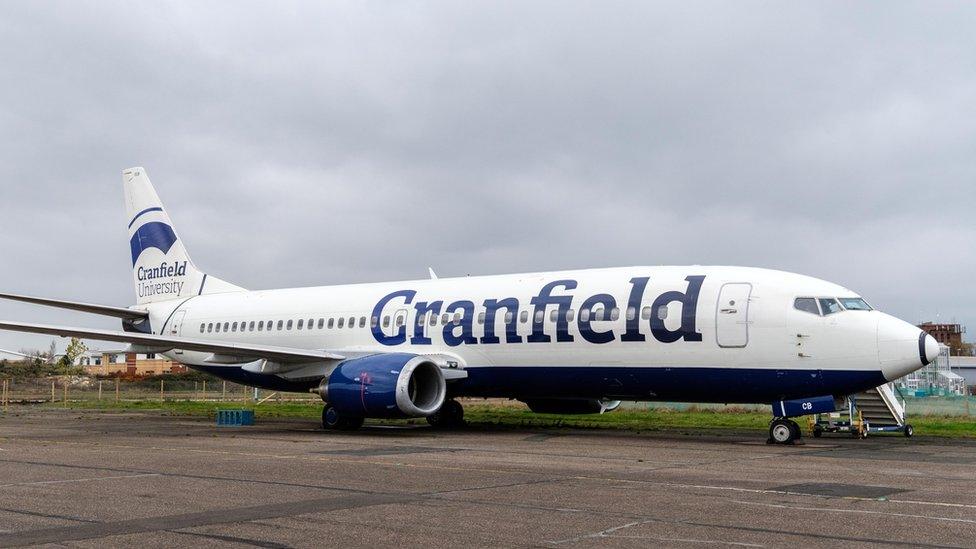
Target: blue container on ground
{"type": "Point", "coordinates": [235, 418]}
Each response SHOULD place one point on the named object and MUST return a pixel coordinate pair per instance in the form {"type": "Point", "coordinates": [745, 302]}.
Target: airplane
{"type": "Point", "coordinates": [561, 342]}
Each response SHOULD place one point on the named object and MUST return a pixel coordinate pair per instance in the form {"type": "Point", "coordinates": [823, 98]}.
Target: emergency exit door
{"type": "Point", "coordinates": [732, 315]}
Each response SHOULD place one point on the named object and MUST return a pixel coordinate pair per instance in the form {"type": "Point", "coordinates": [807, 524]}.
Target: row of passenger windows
{"type": "Point", "coordinates": [823, 306]}
{"type": "Point", "coordinates": [585, 315]}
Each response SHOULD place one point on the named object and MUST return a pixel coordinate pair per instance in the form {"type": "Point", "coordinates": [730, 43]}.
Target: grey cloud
{"type": "Point", "coordinates": [302, 144]}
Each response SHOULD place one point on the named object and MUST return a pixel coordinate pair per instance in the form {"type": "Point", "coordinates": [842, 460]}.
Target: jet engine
{"type": "Point", "coordinates": [395, 385]}
{"type": "Point", "coordinates": [571, 405]}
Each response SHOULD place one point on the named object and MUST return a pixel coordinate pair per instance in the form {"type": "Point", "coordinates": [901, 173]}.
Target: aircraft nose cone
{"type": "Point", "coordinates": [928, 348]}
{"type": "Point", "coordinates": [902, 347]}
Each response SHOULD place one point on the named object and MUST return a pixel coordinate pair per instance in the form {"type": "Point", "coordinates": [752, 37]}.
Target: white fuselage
{"type": "Point", "coordinates": [726, 334]}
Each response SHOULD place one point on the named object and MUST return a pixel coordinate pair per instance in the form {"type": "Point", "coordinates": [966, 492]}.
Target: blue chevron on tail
{"type": "Point", "coordinates": [161, 268]}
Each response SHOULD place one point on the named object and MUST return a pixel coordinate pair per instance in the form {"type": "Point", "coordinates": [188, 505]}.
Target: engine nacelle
{"type": "Point", "coordinates": [392, 385]}
{"type": "Point", "coordinates": [571, 405]}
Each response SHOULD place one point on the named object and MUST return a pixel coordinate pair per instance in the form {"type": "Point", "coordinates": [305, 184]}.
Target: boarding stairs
{"type": "Point", "coordinates": [881, 409]}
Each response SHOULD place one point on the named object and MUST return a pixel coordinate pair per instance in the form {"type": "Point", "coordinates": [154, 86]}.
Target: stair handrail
{"type": "Point", "coordinates": [897, 407]}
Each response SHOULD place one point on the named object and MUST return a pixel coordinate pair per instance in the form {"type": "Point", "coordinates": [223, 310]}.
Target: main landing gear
{"type": "Point", "coordinates": [783, 431]}
{"type": "Point", "coordinates": [450, 416]}
{"type": "Point", "coordinates": [332, 420]}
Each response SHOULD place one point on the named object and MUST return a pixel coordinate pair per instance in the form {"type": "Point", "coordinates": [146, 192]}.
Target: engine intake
{"type": "Point", "coordinates": [386, 386]}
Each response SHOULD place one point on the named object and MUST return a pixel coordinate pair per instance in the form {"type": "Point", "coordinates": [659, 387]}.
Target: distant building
{"type": "Point", "coordinates": [112, 363]}
{"type": "Point", "coordinates": [965, 366]}
{"type": "Point", "coordinates": [949, 335]}
{"type": "Point", "coordinates": [938, 378]}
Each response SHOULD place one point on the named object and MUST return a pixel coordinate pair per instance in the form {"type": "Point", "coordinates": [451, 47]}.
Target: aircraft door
{"type": "Point", "coordinates": [732, 315]}
{"type": "Point", "coordinates": [176, 326]}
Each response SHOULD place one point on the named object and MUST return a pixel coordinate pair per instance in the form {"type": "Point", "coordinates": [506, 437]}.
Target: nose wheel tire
{"type": "Point", "coordinates": [333, 420]}
{"type": "Point", "coordinates": [450, 416]}
{"type": "Point", "coordinates": [783, 431]}
{"type": "Point", "coordinates": [909, 430]}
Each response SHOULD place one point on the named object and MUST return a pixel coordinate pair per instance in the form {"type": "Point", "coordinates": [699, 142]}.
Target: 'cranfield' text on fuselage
{"type": "Point", "coordinates": [461, 332]}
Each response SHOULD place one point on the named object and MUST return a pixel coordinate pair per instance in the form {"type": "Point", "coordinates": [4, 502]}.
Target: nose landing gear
{"type": "Point", "coordinates": [783, 431]}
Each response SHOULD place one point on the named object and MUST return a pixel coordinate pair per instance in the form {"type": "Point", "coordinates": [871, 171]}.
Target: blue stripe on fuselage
{"type": "Point", "coordinates": [723, 385]}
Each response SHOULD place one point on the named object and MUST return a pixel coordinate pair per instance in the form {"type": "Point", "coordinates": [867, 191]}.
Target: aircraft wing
{"type": "Point", "coordinates": [162, 343]}
{"type": "Point", "coordinates": [104, 310]}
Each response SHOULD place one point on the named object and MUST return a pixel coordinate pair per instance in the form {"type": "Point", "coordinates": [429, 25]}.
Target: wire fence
{"type": "Point", "coordinates": [70, 390]}
{"type": "Point", "coordinates": [82, 389]}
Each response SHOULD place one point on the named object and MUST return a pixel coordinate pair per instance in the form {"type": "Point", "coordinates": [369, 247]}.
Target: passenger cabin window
{"type": "Point", "coordinates": [281, 324]}
{"type": "Point", "coordinates": [342, 321]}
{"type": "Point", "coordinates": [321, 323]}
{"type": "Point", "coordinates": [662, 312]}
{"type": "Point", "coordinates": [210, 327]}
{"type": "Point", "coordinates": [234, 327]}
{"type": "Point", "coordinates": [226, 326]}
{"type": "Point", "coordinates": [374, 322]}
{"type": "Point", "coordinates": [218, 328]}
{"type": "Point", "coordinates": [289, 325]}
{"type": "Point", "coordinates": [481, 318]}
{"type": "Point", "coordinates": [524, 316]}
{"type": "Point", "coordinates": [331, 323]}
{"type": "Point", "coordinates": [829, 306]}
{"type": "Point", "coordinates": [362, 322]}
{"type": "Point", "coordinates": [554, 315]}
{"type": "Point", "coordinates": [250, 327]}
{"type": "Point", "coordinates": [646, 313]}
{"type": "Point", "coordinates": [584, 315]}
{"type": "Point", "coordinates": [807, 305]}
{"type": "Point", "coordinates": [261, 326]}
{"type": "Point", "coordinates": [509, 317]}
{"type": "Point", "coordinates": [352, 322]}
{"type": "Point", "coordinates": [614, 314]}
{"type": "Point", "coordinates": [855, 304]}
{"type": "Point", "coordinates": [203, 328]}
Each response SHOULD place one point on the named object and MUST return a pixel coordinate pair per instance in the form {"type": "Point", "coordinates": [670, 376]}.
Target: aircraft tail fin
{"type": "Point", "coordinates": [161, 267]}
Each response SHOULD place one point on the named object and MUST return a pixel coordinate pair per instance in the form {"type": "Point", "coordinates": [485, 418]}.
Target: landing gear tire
{"type": "Point", "coordinates": [450, 416]}
{"type": "Point", "coordinates": [797, 433]}
{"type": "Point", "coordinates": [909, 430]}
{"type": "Point", "coordinates": [332, 420]}
{"type": "Point", "coordinates": [783, 431]}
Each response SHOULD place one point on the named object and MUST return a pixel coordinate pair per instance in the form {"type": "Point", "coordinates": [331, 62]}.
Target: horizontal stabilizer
{"type": "Point", "coordinates": [280, 354]}
{"type": "Point", "coordinates": [21, 355]}
{"type": "Point", "coordinates": [103, 310]}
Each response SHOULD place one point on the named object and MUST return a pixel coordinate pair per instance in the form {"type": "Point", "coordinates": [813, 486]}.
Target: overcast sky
{"type": "Point", "coordinates": [300, 144]}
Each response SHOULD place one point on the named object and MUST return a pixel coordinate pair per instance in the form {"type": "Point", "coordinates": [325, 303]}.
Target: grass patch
{"type": "Point", "coordinates": [514, 415]}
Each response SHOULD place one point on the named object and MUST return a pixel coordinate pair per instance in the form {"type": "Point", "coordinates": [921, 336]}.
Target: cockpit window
{"type": "Point", "coordinates": [829, 306]}
{"type": "Point", "coordinates": [854, 304]}
{"type": "Point", "coordinates": [807, 305]}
